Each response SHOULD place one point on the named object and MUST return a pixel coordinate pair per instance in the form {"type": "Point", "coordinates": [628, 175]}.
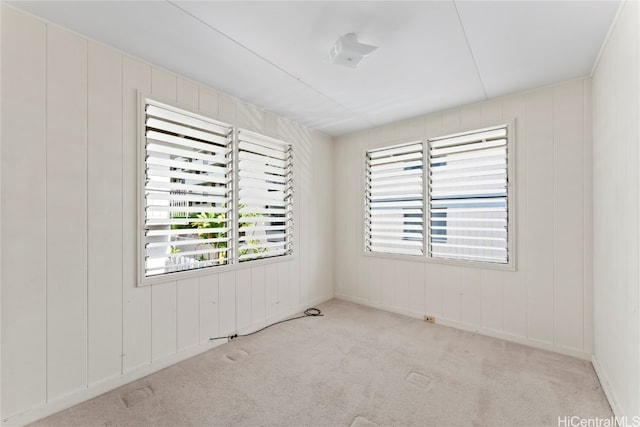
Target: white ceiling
{"type": "Point", "coordinates": [432, 54]}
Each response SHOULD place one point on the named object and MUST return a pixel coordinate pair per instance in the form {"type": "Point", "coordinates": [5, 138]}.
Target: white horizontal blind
{"type": "Point", "coordinates": [468, 199]}
{"type": "Point", "coordinates": [187, 190]}
{"type": "Point", "coordinates": [265, 192]}
{"type": "Point", "coordinates": [394, 201]}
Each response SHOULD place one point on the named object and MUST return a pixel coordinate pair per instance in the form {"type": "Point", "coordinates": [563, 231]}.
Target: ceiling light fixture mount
{"type": "Point", "coordinates": [348, 52]}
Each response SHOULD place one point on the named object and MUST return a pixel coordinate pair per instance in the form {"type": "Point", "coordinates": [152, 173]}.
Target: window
{"type": "Point", "coordinates": [211, 196]}
{"type": "Point", "coordinates": [468, 196]}
{"type": "Point", "coordinates": [465, 196]}
{"type": "Point", "coordinates": [265, 191]}
{"type": "Point", "coordinates": [394, 199]}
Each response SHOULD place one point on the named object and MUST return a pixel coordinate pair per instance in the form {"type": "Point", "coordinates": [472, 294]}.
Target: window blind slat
{"type": "Point", "coordinates": [188, 198]}
{"type": "Point", "coordinates": [198, 178]}
{"type": "Point", "coordinates": [173, 114]}
{"type": "Point", "coordinates": [179, 130]}
{"type": "Point", "coordinates": [463, 150]}
{"type": "Point", "coordinates": [262, 167]}
{"type": "Point", "coordinates": [264, 177]}
{"type": "Point", "coordinates": [187, 166]}
{"type": "Point", "coordinates": [249, 147]}
{"type": "Point", "coordinates": [186, 242]}
{"type": "Point", "coordinates": [263, 160]}
{"type": "Point", "coordinates": [176, 187]}
{"type": "Point", "coordinates": [185, 231]}
{"type": "Point", "coordinates": [396, 150]}
{"type": "Point", "coordinates": [217, 144]}
{"type": "Point", "coordinates": [468, 137]}
{"type": "Point", "coordinates": [189, 154]}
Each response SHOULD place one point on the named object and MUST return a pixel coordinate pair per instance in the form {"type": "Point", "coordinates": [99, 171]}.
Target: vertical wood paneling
{"type": "Point", "coordinates": [360, 290]}
{"type": "Point", "coordinates": [540, 232]}
{"type": "Point", "coordinates": [188, 316]}
{"type": "Point", "coordinates": [514, 291]}
{"type": "Point", "coordinates": [616, 105]}
{"type": "Point", "coordinates": [451, 292]}
{"type": "Point", "coordinates": [588, 218]}
{"type": "Point", "coordinates": [77, 317]}
{"type": "Point", "coordinates": [258, 295]}
{"type": "Point", "coordinates": [104, 147]}
{"type": "Point", "coordinates": [243, 298]}
{"type": "Point", "coordinates": [450, 121]}
{"type": "Point", "coordinates": [433, 125]}
{"type": "Point", "coordinates": [374, 280]}
{"type": "Point", "coordinates": [271, 289]}
{"type": "Point", "coordinates": [187, 94]}
{"type": "Point", "coordinates": [136, 328]}
{"type": "Point", "coordinates": [294, 267]}
{"type": "Point", "coordinates": [411, 130]}
{"type": "Point", "coordinates": [284, 287]}
{"type": "Point", "coordinates": [226, 108]}
{"type": "Point", "coordinates": [491, 299]}
{"type": "Point", "coordinates": [227, 302]}
{"type": "Point", "coordinates": [342, 257]}
{"type": "Point", "coordinates": [491, 111]}
{"type": "Point", "coordinates": [163, 320]}
{"type": "Point", "coordinates": [302, 157]}
{"type": "Point", "coordinates": [416, 288]}
{"type": "Point", "coordinates": [569, 213]}
{"type": "Point", "coordinates": [209, 308]}
{"type": "Point", "coordinates": [208, 102]}
{"type": "Point", "coordinates": [387, 282]}
{"type": "Point", "coordinates": [605, 188]}
{"type": "Point", "coordinates": [23, 171]}
{"type": "Point", "coordinates": [471, 116]}
{"type": "Point", "coordinates": [433, 294]}
{"type": "Point", "coordinates": [470, 296]}
{"type": "Point", "coordinates": [401, 284]}
{"type": "Point", "coordinates": [66, 212]}
{"type": "Point", "coordinates": [627, 96]}
{"type": "Point", "coordinates": [164, 84]}
{"type": "Point", "coordinates": [250, 117]}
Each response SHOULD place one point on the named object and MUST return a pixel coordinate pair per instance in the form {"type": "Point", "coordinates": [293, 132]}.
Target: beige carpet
{"type": "Point", "coordinates": [355, 366]}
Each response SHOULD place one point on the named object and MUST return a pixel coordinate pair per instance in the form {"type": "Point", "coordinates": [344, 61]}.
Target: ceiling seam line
{"type": "Point", "coordinates": [466, 38]}
{"type": "Point", "coordinates": [271, 63]}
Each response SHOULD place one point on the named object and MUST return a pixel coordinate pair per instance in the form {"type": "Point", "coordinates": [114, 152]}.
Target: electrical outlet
{"type": "Point", "coordinates": [430, 319]}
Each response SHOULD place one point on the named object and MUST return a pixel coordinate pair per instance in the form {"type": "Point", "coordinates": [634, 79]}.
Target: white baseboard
{"type": "Point", "coordinates": [94, 390]}
{"type": "Point", "coordinates": [543, 345]}
{"type": "Point", "coordinates": [606, 387]}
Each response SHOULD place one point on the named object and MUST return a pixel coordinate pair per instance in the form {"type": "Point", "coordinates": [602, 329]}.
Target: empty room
{"type": "Point", "coordinates": [320, 213]}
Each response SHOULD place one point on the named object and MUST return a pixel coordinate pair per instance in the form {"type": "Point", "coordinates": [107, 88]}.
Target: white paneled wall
{"type": "Point", "coordinates": [74, 324]}
{"type": "Point", "coordinates": [547, 301]}
{"type": "Point", "coordinates": [616, 216]}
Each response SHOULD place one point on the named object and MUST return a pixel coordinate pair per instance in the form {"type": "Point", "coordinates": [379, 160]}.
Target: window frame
{"type": "Point", "coordinates": [511, 198]}
{"type": "Point", "coordinates": [233, 264]}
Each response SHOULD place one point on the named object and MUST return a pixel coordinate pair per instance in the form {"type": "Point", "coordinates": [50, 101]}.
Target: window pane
{"type": "Point", "coordinates": [468, 196]}
{"type": "Point", "coordinates": [394, 200]}
{"type": "Point", "coordinates": [265, 191]}
{"type": "Point", "coordinates": [187, 191]}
